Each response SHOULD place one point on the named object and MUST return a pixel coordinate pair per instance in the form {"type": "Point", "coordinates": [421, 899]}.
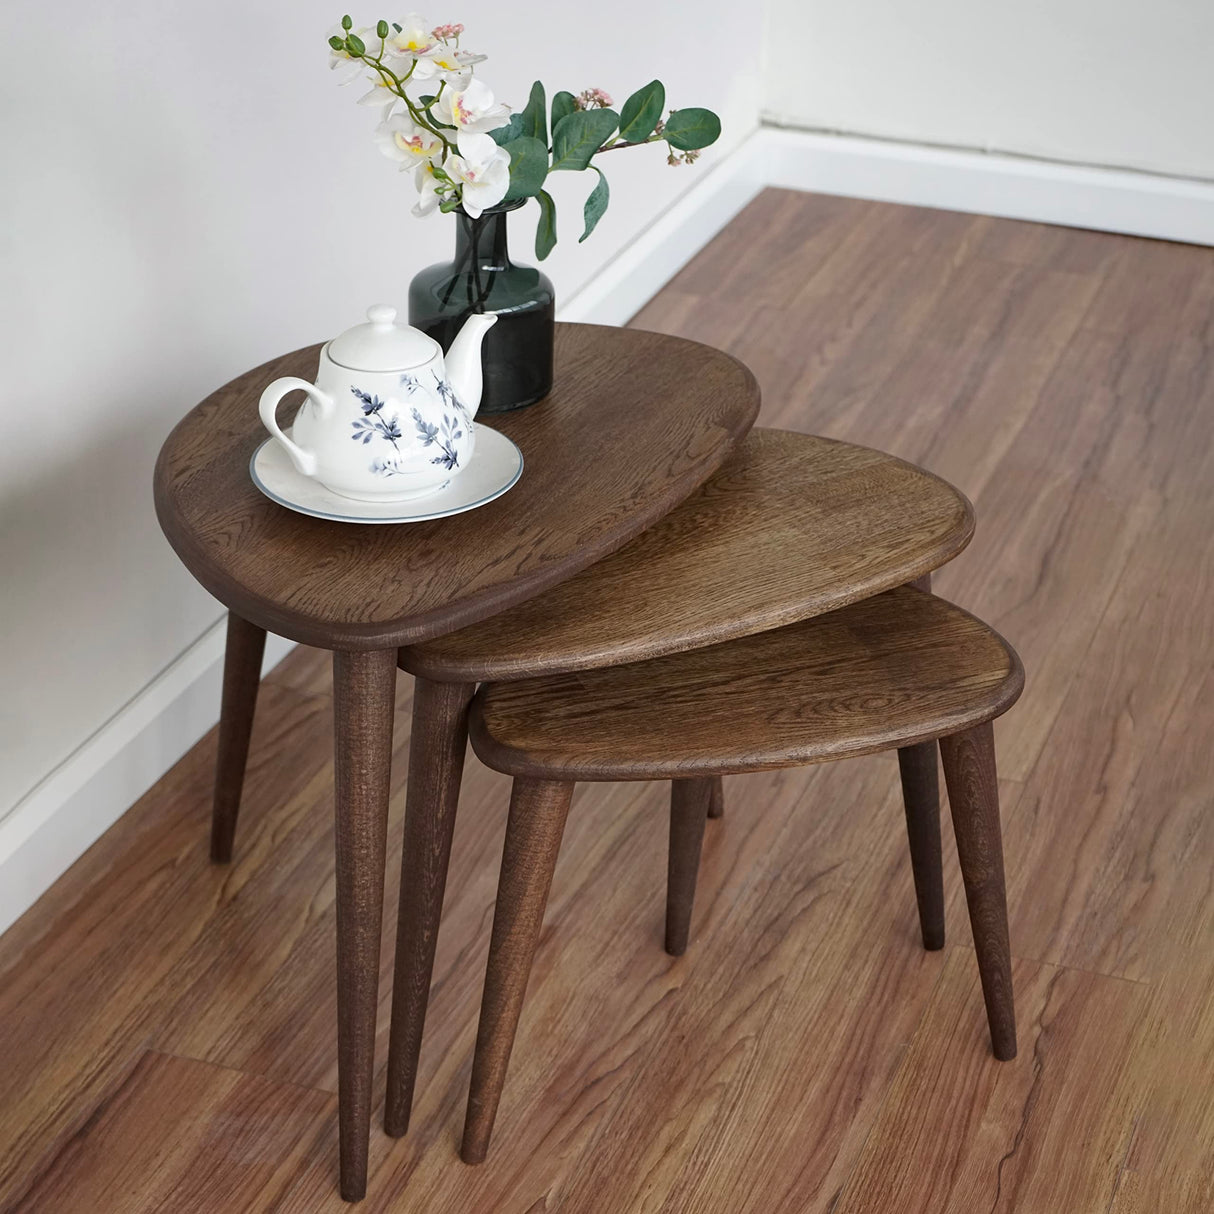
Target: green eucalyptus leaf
{"type": "Point", "coordinates": [563, 105]}
{"type": "Point", "coordinates": [510, 132]}
{"type": "Point", "coordinates": [640, 113]}
{"type": "Point", "coordinates": [691, 129]}
{"type": "Point", "coordinates": [596, 203]}
{"type": "Point", "coordinates": [528, 167]}
{"type": "Point", "coordinates": [355, 45]}
{"type": "Point", "coordinates": [545, 232]}
{"type": "Point", "coordinates": [579, 135]}
{"type": "Point", "coordinates": [535, 115]}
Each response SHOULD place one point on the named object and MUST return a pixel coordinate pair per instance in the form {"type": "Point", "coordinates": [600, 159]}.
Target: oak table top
{"type": "Point", "coordinates": [888, 671]}
{"type": "Point", "coordinates": [791, 526]}
{"type": "Point", "coordinates": [636, 422]}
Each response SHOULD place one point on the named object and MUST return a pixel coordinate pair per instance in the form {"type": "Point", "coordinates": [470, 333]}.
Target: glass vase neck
{"type": "Point", "coordinates": [482, 241]}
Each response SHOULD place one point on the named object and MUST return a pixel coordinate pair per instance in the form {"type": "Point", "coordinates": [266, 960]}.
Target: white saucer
{"type": "Point", "coordinates": [495, 467]}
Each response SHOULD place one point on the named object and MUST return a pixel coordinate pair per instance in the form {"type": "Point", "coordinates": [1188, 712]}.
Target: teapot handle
{"type": "Point", "coordinates": [304, 461]}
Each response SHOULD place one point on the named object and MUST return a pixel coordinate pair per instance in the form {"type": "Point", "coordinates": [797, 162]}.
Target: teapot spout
{"type": "Point", "coordinates": [463, 360]}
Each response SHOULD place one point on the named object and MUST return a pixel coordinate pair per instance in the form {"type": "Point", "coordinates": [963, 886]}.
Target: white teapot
{"type": "Point", "coordinates": [386, 420]}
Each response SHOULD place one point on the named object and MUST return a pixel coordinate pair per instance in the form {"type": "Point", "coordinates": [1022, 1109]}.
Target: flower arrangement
{"type": "Point", "coordinates": [469, 151]}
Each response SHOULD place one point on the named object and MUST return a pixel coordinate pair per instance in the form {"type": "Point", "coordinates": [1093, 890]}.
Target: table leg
{"type": "Point", "coordinates": [436, 765]}
{"type": "Point", "coordinates": [689, 802]}
{"type": "Point", "coordinates": [364, 687]}
{"type": "Point", "coordinates": [241, 678]}
{"type": "Point", "coordinates": [533, 839]}
{"type": "Point", "coordinates": [973, 797]}
{"type": "Point", "coordinates": [921, 801]}
{"type": "Point", "coordinates": [716, 800]}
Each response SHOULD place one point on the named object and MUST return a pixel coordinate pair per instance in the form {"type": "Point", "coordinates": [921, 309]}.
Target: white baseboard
{"type": "Point", "coordinates": [52, 826]}
{"type": "Point", "coordinates": [55, 823]}
{"type": "Point", "coordinates": [1012, 187]}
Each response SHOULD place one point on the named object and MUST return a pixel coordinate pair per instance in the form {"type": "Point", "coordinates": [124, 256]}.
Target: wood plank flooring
{"type": "Point", "coordinates": [166, 1027]}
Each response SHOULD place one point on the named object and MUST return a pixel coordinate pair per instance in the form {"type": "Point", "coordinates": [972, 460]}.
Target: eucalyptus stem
{"type": "Point", "coordinates": [629, 143]}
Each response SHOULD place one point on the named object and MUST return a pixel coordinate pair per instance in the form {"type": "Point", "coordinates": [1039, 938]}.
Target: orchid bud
{"type": "Point", "coordinates": [347, 22]}
{"type": "Point", "coordinates": [382, 29]}
{"type": "Point", "coordinates": [336, 43]}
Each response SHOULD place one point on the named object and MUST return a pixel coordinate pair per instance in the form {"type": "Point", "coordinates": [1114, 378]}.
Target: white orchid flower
{"type": "Point", "coordinates": [482, 170]}
{"type": "Point", "coordinates": [400, 138]}
{"type": "Point", "coordinates": [381, 94]}
{"type": "Point", "coordinates": [471, 110]}
{"type": "Point", "coordinates": [448, 64]}
{"type": "Point", "coordinates": [346, 65]}
{"type": "Point", "coordinates": [413, 40]}
{"type": "Point", "coordinates": [428, 187]}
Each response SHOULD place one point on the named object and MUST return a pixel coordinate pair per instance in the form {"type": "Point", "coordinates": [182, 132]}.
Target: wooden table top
{"type": "Point", "coordinates": [889, 671]}
{"type": "Point", "coordinates": [635, 423]}
{"type": "Point", "coordinates": [790, 527]}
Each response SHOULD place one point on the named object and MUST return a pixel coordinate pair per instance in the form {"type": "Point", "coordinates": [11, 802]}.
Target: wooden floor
{"type": "Point", "coordinates": [167, 1028]}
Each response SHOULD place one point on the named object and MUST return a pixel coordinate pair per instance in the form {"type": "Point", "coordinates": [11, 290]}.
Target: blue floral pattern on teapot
{"type": "Point", "coordinates": [451, 435]}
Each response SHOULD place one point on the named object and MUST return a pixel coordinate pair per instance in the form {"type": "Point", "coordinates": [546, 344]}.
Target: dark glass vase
{"type": "Point", "coordinates": [517, 352]}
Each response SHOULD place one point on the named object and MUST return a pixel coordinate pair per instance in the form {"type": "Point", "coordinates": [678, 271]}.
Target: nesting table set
{"type": "Point", "coordinates": [665, 594]}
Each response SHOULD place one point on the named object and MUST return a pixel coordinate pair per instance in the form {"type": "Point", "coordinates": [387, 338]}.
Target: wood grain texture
{"type": "Point", "coordinates": [791, 526]}
{"type": "Point", "coordinates": [533, 842]}
{"type": "Point", "coordinates": [364, 692]}
{"type": "Point", "coordinates": [961, 1132]}
{"type": "Point", "coordinates": [246, 644]}
{"type": "Point", "coordinates": [81, 999]}
{"type": "Point", "coordinates": [185, 1136]}
{"type": "Point", "coordinates": [1065, 381]}
{"type": "Point", "coordinates": [899, 668]}
{"type": "Point", "coordinates": [436, 766]}
{"type": "Point", "coordinates": [635, 423]}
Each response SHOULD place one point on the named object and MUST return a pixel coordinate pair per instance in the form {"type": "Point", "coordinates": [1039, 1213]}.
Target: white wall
{"type": "Point", "coordinates": [1125, 83]}
{"type": "Point", "coordinates": [186, 193]}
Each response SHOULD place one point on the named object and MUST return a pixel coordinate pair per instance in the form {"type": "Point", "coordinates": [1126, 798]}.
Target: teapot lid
{"type": "Point", "coordinates": [381, 344]}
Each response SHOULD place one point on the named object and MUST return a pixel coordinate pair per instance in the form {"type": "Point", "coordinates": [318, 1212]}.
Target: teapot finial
{"type": "Point", "coordinates": [382, 316]}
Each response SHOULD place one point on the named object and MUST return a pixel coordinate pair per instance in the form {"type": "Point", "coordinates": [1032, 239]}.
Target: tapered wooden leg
{"type": "Point", "coordinates": [921, 800]}
{"type": "Point", "coordinates": [716, 801]}
{"type": "Point", "coordinates": [363, 701]}
{"type": "Point", "coordinates": [436, 764]}
{"type": "Point", "coordinates": [533, 838]}
{"type": "Point", "coordinates": [689, 802]}
{"type": "Point", "coordinates": [973, 797]}
{"type": "Point", "coordinates": [241, 677]}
